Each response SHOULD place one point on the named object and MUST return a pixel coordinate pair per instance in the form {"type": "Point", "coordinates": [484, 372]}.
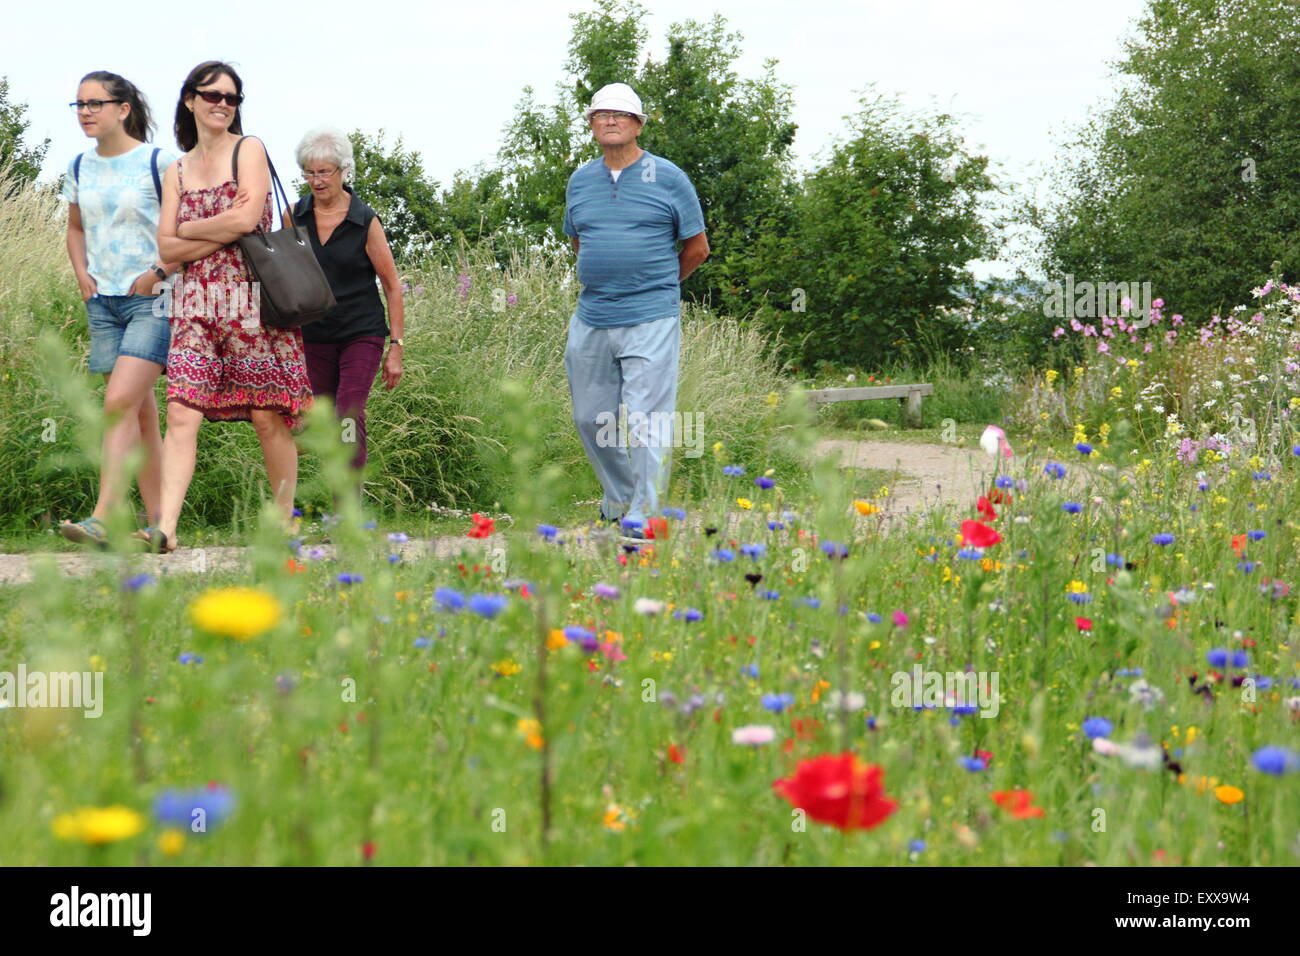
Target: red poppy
{"type": "Point", "coordinates": [1238, 542]}
{"type": "Point", "coordinates": [985, 755]}
{"type": "Point", "coordinates": [805, 728]}
{"type": "Point", "coordinates": [293, 567]}
{"type": "Point", "coordinates": [1083, 623]}
{"type": "Point", "coordinates": [657, 528]}
{"type": "Point", "coordinates": [676, 754]}
{"type": "Point", "coordinates": [482, 526]}
{"type": "Point", "coordinates": [840, 790]}
{"type": "Point", "coordinates": [999, 497]}
{"type": "Point", "coordinates": [368, 850]}
{"type": "Point", "coordinates": [985, 509]}
{"type": "Point", "coordinates": [978, 535]}
{"type": "Point", "coordinates": [1019, 803]}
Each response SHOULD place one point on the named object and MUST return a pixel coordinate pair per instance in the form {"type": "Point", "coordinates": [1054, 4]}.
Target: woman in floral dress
{"type": "Point", "coordinates": [223, 364]}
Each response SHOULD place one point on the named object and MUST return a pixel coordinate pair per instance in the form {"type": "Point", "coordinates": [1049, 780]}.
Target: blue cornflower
{"type": "Point", "coordinates": [297, 512]}
{"type": "Point", "coordinates": [448, 599]}
{"type": "Point", "coordinates": [1096, 727]}
{"type": "Point", "coordinates": [771, 595]}
{"type": "Point", "coordinates": [349, 578]}
{"type": "Point", "coordinates": [1274, 760]}
{"type": "Point", "coordinates": [137, 582]}
{"type": "Point", "coordinates": [677, 513]}
{"type": "Point", "coordinates": [871, 722]}
{"type": "Point", "coordinates": [394, 558]}
{"type": "Point", "coordinates": [1071, 507]}
{"type": "Point", "coordinates": [1295, 449]}
{"type": "Point", "coordinates": [731, 471]}
{"type": "Point", "coordinates": [632, 523]}
{"type": "Point", "coordinates": [970, 554]}
{"type": "Point", "coordinates": [873, 617]}
{"type": "Point", "coordinates": [578, 634]}
{"type": "Point", "coordinates": [1256, 535]}
{"type": "Point", "coordinates": [750, 670]}
{"type": "Point", "coordinates": [776, 526]}
{"type": "Point", "coordinates": [1162, 539]}
{"type": "Point", "coordinates": [690, 615]}
{"type": "Point", "coordinates": [1084, 448]}
{"type": "Point", "coordinates": [422, 642]}
{"type": "Point", "coordinates": [1080, 598]}
{"type": "Point", "coordinates": [1055, 470]}
{"type": "Point", "coordinates": [1129, 672]}
{"type": "Point", "coordinates": [398, 537]}
{"type": "Point", "coordinates": [811, 602]}
{"type": "Point", "coordinates": [726, 555]}
{"type": "Point", "coordinates": [1218, 657]}
{"type": "Point", "coordinates": [1240, 660]}
{"type": "Point", "coordinates": [916, 846]}
{"type": "Point", "coordinates": [833, 549]}
{"type": "Point", "coordinates": [1262, 682]}
{"type": "Point", "coordinates": [1202, 486]}
{"type": "Point", "coordinates": [370, 525]}
{"type": "Point", "coordinates": [190, 658]}
{"type": "Point", "coordinates": [487, 605]}
{"type": "Point", "coordinates": [211, 805]}
{"type": "Point", "coordinates": [1246, 567]}
{"type": "Point", "coordinates": [764, 482]}
{"type": "Point", "coordinates": [1262, 476]}
{"type": "Point", "coordinates": [548, 531]}
{"type": "Point", "coordinates": [973, 764]}
{"type": "Point", "coordinates": [777, 703]}
{"type": "Point", "coordinates": [1115, 560]}
{"type": "Point", "coordinates": [754, 551]}
{"type": "Point", "coordinates": [1004, 481]}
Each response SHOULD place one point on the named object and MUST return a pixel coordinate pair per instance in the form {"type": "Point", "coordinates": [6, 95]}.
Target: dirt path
{"type": "Point", "coordinates": [927, 476]}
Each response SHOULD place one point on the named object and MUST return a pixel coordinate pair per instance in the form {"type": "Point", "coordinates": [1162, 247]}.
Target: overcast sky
{"type": "Point", "coordinates": [446, 78]}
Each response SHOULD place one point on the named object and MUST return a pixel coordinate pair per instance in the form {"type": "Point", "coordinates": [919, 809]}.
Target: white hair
{"type": "Point", "coordinates": [328, 144]}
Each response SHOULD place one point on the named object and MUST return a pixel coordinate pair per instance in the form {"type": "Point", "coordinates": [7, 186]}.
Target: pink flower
{"type": "Point", "coordinates": [1103, 347]}
{"type": "Point", "coordinates": [753, 735]}
{"type": "Point", "coordinates": [1075, 324]}
{"type": "Point", "coordinates": [1146, 348]}
{"type": "Point", "coordinates": [1158, 304]}
{"type": "Point", "coordinates": [900, 619]}
{"type": "Point", "coordinates": [1058, 332]}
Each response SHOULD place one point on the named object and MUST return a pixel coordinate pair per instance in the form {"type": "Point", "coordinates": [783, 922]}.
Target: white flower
{"type": "Point", "coordinates": [1292, 704]}
{"type": "Point", "coordinates": [1145, 694]}
{"type": "Point", "coordinates": [850, 702]}
{"type": "Point", "coordinates": [1158, 409]}
{"type": "Point", "coordinates": [648, 606]}
{"type": "Point", "coordinates": [753, 735]}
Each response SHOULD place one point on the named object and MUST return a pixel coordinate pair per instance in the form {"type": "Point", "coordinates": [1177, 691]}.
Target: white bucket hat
{"type": "Point", "coordinates": [616, 96]}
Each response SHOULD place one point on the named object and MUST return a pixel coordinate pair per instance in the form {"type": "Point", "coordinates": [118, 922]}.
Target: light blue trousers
{"type": "Point", "coordinates": [629, 371]}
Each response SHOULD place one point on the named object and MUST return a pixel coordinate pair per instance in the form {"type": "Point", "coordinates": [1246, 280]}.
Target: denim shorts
{"type": "Point", "coordinates": [126, 325]}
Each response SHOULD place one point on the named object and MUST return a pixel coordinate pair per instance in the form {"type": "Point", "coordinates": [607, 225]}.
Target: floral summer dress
{"type": "Point", "coordinates": [223, 361]}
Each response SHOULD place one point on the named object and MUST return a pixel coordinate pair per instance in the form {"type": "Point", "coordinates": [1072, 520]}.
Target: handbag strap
{"type": "Point", "coordinates": [275, 184]}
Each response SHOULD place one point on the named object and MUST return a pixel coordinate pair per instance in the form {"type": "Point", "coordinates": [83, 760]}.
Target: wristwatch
{"type": "Point", "coordinates": [393, 341]}
{"type": "Point", "coordinates": [160, 273]}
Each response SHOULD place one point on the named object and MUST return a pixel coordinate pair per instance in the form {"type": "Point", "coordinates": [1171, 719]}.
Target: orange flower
{"type": "Point", "coordinates": [1238, 542]}
{"type": "Point", "coordinates": [1229, 795]}
{"type": "Point", "coordinates": [1019, 803]}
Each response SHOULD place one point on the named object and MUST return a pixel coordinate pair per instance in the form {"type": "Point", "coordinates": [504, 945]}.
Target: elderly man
{"type": "Point", "coordinates": [626, 211]}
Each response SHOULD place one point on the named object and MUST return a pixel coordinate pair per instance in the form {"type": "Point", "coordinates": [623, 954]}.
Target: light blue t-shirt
{"type": "Point", "coordinates": [627, 229]}
{"type": "Point", "coordinates": [119, 211]}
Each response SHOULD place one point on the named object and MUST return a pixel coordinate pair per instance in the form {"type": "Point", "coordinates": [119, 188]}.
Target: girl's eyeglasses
{"type": "Point", "coordinates": [214, 97]}
{"type": "Point", "coordinates": [93, 106]}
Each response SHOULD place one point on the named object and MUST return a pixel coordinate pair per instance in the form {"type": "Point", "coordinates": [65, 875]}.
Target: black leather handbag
{"type": "Point", "coordinates": [294, 288]}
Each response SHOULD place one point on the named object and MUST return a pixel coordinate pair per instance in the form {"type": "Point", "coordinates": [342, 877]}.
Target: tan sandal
{"type": "Point", "coordinates": [155, 539]}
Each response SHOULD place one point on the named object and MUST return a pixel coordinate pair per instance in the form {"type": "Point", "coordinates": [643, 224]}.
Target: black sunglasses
{"type": "Point", "coordinates": [213, 97]}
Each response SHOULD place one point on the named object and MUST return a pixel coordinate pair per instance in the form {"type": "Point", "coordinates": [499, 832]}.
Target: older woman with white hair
{"type": "Point", "coordinates": [345, 349]}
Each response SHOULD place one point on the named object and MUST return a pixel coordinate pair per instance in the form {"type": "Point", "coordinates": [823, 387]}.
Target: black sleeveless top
{"type": "Point", "coordinates": [351, 276]}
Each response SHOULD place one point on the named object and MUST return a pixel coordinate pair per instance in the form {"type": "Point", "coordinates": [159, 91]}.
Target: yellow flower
{"type": "Point", "coordinates": [988, 564]}
{"type": "Point", "coordinates": [506, 667]}
{"type": "Point", "coordinates": [745, 503]}
{"type": "Point", "coordinates": [1077, 587]}
{"type": "Point", "coordinates": [1295, 401]}
{"type": "Point", "coordinates": [1117, 392]}
{"type": "Point", "coordinates": [866, 508]}
{"type": "Point", "coordinates": [238, 613]}
{"type": "Point", "coordinates": [1078, 371]}
{"type": "Point", "coordinates": [555, 639]}
{"type": "Point", "coordinates": [171, 842]}
{"type": "Point", "coordinates": [873, 645]}
{"type": "Point", "coordinates": [1051, 375]}
{"type": "Point", "coordinates": [820, 686]}
{"type": "Point", "coordinates": [532, 731]}
{"type": "Point", "coordinates": [772, 399]}
{"type": "Point", "coordinates": [883, 492]}
{"type": "Point", "coordinates": [1229, 795]}
{"type": "Point", "coordinates": [98, 663]}
{"type": "Point", "coordinates": [96, 826]}
{"type": "Point", "coordinates": [1103, 432]}
{"type": "Point", "coordinates": [1191, 734]}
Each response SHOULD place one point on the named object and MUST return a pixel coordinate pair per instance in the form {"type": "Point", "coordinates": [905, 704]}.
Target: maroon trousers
{"type": "Point", "coordinates": [344, 371]}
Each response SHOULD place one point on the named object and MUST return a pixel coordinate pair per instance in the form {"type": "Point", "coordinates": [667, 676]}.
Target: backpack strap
{"type": "Point", "coordinates": [153, 165]}
{"type": "Point", "coordinates": [76, 169]}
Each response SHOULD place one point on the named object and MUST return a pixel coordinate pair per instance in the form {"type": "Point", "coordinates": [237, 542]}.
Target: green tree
{"type": "Point", "coordinates": [882, 232]}
{"type": "Point", "coordinates": [25, 160]}
{"type": "Point", "coordinates": [1190, 179]}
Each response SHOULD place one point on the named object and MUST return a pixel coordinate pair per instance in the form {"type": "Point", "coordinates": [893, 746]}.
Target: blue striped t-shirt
{"type": "Point", "coordinates": [627, 232]}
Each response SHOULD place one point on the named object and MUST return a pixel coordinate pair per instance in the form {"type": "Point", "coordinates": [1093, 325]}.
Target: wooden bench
{"type": "Point", "coordinates": [911, 394]}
